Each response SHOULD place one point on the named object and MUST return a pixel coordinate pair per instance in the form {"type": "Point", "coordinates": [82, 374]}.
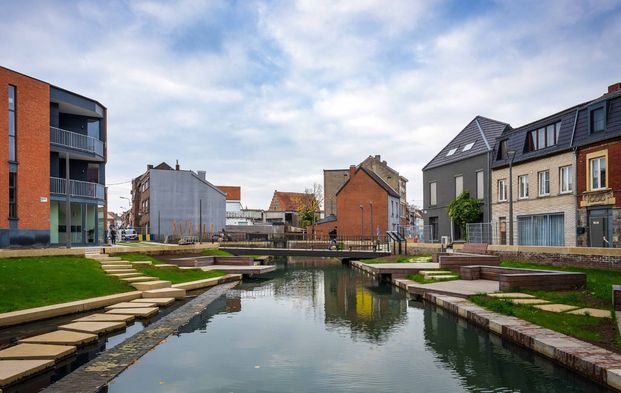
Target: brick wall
{"type": "Point", "coordinates": [613, 150]}
{"type": "Point", "coordinates": [332, 180]}
{"type": "Point", "coordinates": [33, 150]}
{"type": "Point", "coordinates": [554, 203]}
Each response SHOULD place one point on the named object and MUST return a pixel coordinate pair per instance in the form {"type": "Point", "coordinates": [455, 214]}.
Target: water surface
{"type": "Point", "coordinates": [323, 327]}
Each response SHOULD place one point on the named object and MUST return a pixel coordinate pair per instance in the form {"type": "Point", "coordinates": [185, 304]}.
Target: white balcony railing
{"type": "Point", "coordinates": [77, 188]}
{"type": "Point", "coordinates": [73, 140]}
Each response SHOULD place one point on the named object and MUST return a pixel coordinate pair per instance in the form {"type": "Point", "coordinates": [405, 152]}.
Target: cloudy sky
{"type": "Point", "coordinates": [267, 94]}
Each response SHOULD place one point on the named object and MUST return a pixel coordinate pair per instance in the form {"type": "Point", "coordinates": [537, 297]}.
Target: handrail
{"type": "Point", "coordinates": [73, 140]}
{"type": "Point", "coordinates": [76, 188]}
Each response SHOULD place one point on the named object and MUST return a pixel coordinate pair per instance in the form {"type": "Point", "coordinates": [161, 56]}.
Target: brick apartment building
{"type": "Point", "coordinates": [52, 164]}
{"type": "Point", "coordinates": [366, 206]}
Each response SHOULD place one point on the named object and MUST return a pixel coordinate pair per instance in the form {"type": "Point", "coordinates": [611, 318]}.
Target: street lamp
{"type": "Point", "coordinates": [371, 204]}
{"type": "Point", "coordinates": [511, 155]}
{"type": "Point", "coordinates": [361, 222]}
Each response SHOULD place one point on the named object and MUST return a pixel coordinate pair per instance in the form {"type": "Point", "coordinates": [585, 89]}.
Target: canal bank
{"type": "Point", "coordinates": [316, 326]}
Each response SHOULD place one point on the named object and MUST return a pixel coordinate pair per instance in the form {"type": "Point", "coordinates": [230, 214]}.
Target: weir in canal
{"type": "Point", "coordinates": [316, 325]}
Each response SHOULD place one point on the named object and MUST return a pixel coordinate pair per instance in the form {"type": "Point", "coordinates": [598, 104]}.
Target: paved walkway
{"type": "Point", "coordinates": [459, 288]}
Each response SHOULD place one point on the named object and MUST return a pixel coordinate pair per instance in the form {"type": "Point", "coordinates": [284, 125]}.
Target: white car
{"type": "Point", "coordinates": [129, 234]}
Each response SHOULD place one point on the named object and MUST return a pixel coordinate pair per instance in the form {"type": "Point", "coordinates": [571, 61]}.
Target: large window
{"type": "Point", "coordinates": [541, 230]}
{"type": "Point", "coordinates": [433, 196]}
{"type": "Point", "coordinates": [544, 183]}
{"type": "Point", "coordinates": [598, 173]}
{"type": "Point", "coordinates": [12, 195]}
{"type": "Point", "coordinates": [12, 123]}
{"type": "Point", "coordinates": [480, 185]}
{"type": "Point", "coordinates": [598, 120]}
{"type": "Point", "coordinates": [502, 190]}
{"type": "Point", "coordinates": [523, 186]}
{"type": "Point", "coordinates": [459, 185]}
{"type": "Point", "coordinates": [543, 137]}
{"type": "Point", "coordinates": [566, 178]}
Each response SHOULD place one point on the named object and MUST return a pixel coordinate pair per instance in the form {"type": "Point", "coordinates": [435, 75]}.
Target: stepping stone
{"type": "Point", "coordinates": [117, 271]}
{"type": "Point", "coordinates": [106, 262]}
{"type": "Point", "coordinates": [138, 312]}
{"type": "Point", "coordinates": [14, 370]}
{"type": "Point", "coordinates": [555, 307]}
{"type": "Point", "coordinates": [36, 351]}
{"type": "Point", "coordinates": [528, 301]}
{"type": "Point", "coordinates": [119, 266]}
{"type": "Point", "coordinates": [109, 259]}
{"type": "Point", "coordinates": [130, 305]}
{"type": "Point", "coordinates": [164, 266]}
{"type": "Point", "coordinates": [431, 272]}
{"type": "Point", "coordinates": [105, 318]}
{"type": "Point", "coordinates": [93, 327]}
{"type": "Point", "coordinates": [142, 263]}
{"type": "Point", "coordinates": [190, 268]}
{"type": "Point", "coordinates": [177, 293]}
{"type": "Point", "coordinates": [61, 337]}
{"type": "Point", "coordinates": [138, 279]}
{"type": "Point", "coordinates": [160, 301]}
{"type": "Point", "coordinates": [148, 285]}
{"type": "Point", "coordinates": [513, 295]}
{"type": "Point", "coordinates": [126, 275]}
{"type": "Point", "coordinates": [594, 312]}
{"type": "Point", "coordinates": [442, 276]}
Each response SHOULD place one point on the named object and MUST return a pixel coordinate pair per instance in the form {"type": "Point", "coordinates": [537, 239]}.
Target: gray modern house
{"type": "Point", "coordinates": [174, 203]}
{"type": "Point", "coordinates": [464, 164]}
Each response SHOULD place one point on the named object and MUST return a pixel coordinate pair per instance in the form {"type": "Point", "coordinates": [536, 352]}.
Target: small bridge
{"type": "Point", "coordinates": [306, 252]}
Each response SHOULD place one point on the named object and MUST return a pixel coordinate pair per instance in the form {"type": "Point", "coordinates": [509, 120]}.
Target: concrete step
{"type": "Point", "coordinates": [126, 275]}
{"type": "Point", "coordinates": [119, 262]}
{"type": "Point", "coordinates": [138, 279]}
{"type": "Point", "coordinates": [61, 337]}
{"type": "Point", "coordinates": [130, 305]}
{"type": "Point", "coordinates": [124, 266]}
{"type": "Point", "coordinates": [177, 293]}
{"type": "Point", "coordinates": [105, 318]}
{"type": "Point", "coordinates": [141, 263]}
{"type": "Point", "coordinates": [117, 271]}
{"type": "Point", "coordinates": [165, 266]}
{"type": "Point", "coordinates": [149, 285]}
{"type": "Point", "coordinates": [139, 312]}
{"type": "Point", "coordinates": [107, 258]}
{"type": "Point", "coordinates": [13, 370]}
{"type": "Point", "coordinates": [441, 277]}
{"type": "Point", "coordinates": [93, 327]}
{"type": "Point", "coordinates": [36, 351]}
{"type": "Point", "coordinates": [159, 301]}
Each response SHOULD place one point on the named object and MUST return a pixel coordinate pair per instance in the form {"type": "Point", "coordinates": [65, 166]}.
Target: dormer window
{"type": "Point", "coordinates": [468, 146]}
{"type": "Point", "coordinates": [451, 152]}
{"type": "Point", "coordinates": [543, 137]}
{"type": "Point", "coordinates": [598, 120]}
{"type": "Point", "coordinates": [502, 151]}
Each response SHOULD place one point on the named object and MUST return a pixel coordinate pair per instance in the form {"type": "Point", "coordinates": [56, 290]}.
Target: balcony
{"type": "Point", "coordinates": [77, 188]}
{"type": "Point", "coordinates": [75, 141]}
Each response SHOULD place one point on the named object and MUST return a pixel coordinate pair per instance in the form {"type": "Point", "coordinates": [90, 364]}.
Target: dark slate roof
{"type": "Point", "coordinates": [516, 138]}
{"type": "Point", "coordinates": [376, 178]}
{"type": "Point", "coordinates": [582, 135]}
{"type": "Point", "coordinates": [481, 130]}
{"type": "Point", "coordinates": [330, 218]}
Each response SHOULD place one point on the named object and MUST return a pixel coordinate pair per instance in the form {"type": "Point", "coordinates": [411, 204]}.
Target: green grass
{"type": "Point", "coordinates": [140, 257]}
{"type": "Point", "coordinates": [599, 285]}
{"type": "Point", "coordinates": [419, 278]}
{"type": "Point", "coordinates": [214, 252]}
{"type": "Point", "coordinates": [580, 326]}
{"type": "Point", "coordinates": [41, 281]}
{"type": "Point", "coordinates": [176, 276]}
{"type": "Point", "coordinates": [400, 259]}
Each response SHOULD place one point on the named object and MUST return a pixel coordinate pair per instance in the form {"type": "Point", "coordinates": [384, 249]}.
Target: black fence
{"type": "Point", "coordinates": [303, 241]}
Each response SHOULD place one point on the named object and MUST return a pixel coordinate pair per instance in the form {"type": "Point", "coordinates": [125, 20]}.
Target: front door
{"type": "Point", "coordinates": [597, 231]}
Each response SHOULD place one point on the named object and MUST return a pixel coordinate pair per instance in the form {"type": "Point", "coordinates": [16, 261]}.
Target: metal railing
{"type": "Point", "coordinates": [482, 232]}
{"type": "Point", "coordinates": [77, 188]}
{"type": "Point", "coordinates": [298, 241]}
{"type": "Point", "coordinates": [73, 140]}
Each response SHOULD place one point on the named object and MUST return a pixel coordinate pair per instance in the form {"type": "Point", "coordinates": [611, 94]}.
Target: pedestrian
{"type": "Point", "coordinates": [332, 235]}
{"type": "Point", "coordinates": [112, 234]}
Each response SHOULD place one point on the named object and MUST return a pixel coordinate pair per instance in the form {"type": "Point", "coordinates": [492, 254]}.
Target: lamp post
{"type": "Point", "coordinates": [131, 213]}
{"type": "Point", "coordinates": [361, 222]}
{"type": "Point", "coordinates": [511, 155]}
{"type": "Point", "coordinates": [371, 204]}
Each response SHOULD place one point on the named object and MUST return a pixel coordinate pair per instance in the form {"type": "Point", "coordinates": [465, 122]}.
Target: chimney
{"type": "Point", "coordinates": [378, 157]}
{"type": "Point", "coordinates": [385, 163]}
{"type": "Point", "coordinates": [352, 169]}
{"type": "Point", "coordinates": [149, 167]}
{"type": "Point", "coordinates": [202, 174]}
{"type": "Point", "coordinates": [614, 87]}
{"type": "Point", "coordinates": [177, 166]}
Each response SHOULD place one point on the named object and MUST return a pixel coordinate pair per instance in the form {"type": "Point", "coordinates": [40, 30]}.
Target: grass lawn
{"type": "Point", "coordinates": [140, 257]}
{"type": "Point", "coordinates": [419, 278]}
{"type": "Point", "coordinates": [177, 276]}
{"type": "Point", "coordinates": [600, 331]}
{"type": "Point", "coordinates": [400, 259]}
{"type": "Point", "coordinates": [214, 252]}
{"type": "Point", "coordinates": [41, 281]}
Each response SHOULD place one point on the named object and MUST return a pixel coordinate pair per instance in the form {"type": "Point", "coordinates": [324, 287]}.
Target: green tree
{"type": "Point", "coordinates": [464, 210]}
{"type": "Point", "coordinates": [309, 205]}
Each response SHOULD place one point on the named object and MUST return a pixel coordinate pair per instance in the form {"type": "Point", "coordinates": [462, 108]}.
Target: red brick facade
{"type": "Point", "coordinates": [33, 151]}
{"type": "Point", "coordinates": [612, 149]}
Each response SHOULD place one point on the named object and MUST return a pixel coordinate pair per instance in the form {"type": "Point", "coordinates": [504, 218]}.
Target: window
{"type": "Point", "coordinates": [92, 128]}
{"type": "Point", "coordinates": [543, 137]}
{"type": "Point", "coordinates": [451, 152]}
{"type": "Point", "coordinates": [468, 146]}
{"type": "Point", "coordinates": [566, 178]}
{"type": "Point", "coordinates": [523, 185]}
{"type": "Point", "coordinates": [480, 185]}
{"type": "Point", "coordinates": [541, 230]}
{"type": "Point", "coordinates": [502, 190]}
{"type": "Point", "coordinates": [12, 123]}
{"type": "Point", "coordinates": [12, 195]}
{"type": "Point", "coordinates": [544, 183]}
{"type": "Point", "coordinates": [433, 197]}
{"type": "Point", "coordinates": [459, 185]}
{"type": "Point", "coordinates": [502, 151]}
{"type": "Point", "coordinates": [598, 173]}
{"type": "Point", "coordinates": [598, 120]}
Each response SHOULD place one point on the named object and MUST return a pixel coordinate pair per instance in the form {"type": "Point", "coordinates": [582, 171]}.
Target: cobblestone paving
{"type": "Point", "coordinates": [94, 375]}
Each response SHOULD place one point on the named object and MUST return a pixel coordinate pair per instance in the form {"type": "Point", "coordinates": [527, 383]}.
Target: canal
{"type": "Point", "coordinates": [319, 326]}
